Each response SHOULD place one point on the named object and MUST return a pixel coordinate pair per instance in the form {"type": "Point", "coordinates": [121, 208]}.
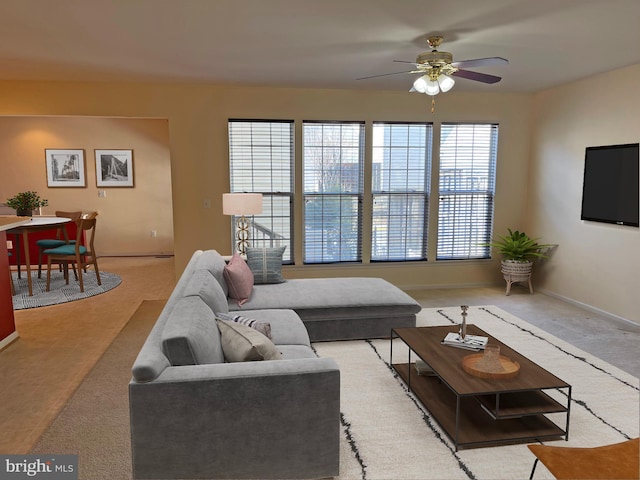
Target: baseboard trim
{"type": "Point", "coordinates": [8, 340]}
{"type": "Point", "coordinates": [448, 286]}
{"type": "Point", "coordinates": [586, 306]}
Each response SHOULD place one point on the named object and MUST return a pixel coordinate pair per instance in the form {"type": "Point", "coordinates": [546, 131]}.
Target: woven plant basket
{"type": "Point", "coordinates": [516, 271]}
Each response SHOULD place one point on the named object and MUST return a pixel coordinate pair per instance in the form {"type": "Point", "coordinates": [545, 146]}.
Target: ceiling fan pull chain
{"type": "Point", "coordinates": [433, 104]}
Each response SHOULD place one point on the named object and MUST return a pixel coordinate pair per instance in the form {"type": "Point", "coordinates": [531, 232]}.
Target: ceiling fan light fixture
{"type": "Point", "coordinates": [432, 87]}
{"type": "Point", "coordinates": [446, 83]}
{"type": "Point", "coordinates": [420, 85]}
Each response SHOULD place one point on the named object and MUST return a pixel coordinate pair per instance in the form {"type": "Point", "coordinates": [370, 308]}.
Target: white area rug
{"type": "Point", "coordinates": [388, 434]}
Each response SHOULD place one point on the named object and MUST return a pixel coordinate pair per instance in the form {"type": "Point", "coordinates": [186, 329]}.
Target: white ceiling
{"type": "Point", "coordinates": [313, 43]}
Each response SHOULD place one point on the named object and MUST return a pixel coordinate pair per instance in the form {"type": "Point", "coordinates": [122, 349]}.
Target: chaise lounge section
{"type": "Point", "coordinates": [331, 308]}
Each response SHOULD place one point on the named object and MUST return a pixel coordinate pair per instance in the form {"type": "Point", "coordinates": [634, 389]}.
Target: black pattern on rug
{"type": "Point", "coordinates": [584, 360]}
{"type": "Point", "coordinates": [354, 447]}
{"type": "Point", "coordinates": [426, 417]}
{"type": "Point", "coordinates": [59, 292]}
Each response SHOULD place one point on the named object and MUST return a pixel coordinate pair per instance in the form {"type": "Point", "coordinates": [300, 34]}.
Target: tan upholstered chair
{"type": "Point", "coordinates": [618, 461]}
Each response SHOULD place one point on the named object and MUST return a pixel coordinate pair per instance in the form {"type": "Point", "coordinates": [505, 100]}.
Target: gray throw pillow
{"type": "Point", "coordinates": [266, 264]}
{"type": "Point", "coordinates": [244, 344]}
{"type": "Point", "coordinates": [259, 325]}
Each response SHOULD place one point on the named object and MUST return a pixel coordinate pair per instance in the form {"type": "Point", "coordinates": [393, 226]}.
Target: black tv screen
{"type": "Point", "coordinates": [610, 189]}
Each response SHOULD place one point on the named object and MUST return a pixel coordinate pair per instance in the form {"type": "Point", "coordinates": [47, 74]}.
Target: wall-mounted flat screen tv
{"type": "Point", "coordinates": [610, 189]}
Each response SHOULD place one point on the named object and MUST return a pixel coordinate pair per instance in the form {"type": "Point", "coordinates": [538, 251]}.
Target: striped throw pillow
{"type": "Point", "coordinates": [259, 325]}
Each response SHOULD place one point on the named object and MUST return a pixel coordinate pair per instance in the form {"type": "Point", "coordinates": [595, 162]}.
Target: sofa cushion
{"type": "Point", "coordinates": [266, 264]}
{"type": "Point", "coordinates": [286, 326]}
{"type": "Point", "coordinates": [239, 279]}
{"type": "Point", "coordinates": [241, 343]}
{"type": "Point", "coordinates": [204, 285]}
{"type": "Point", "coordinates": [211, 260]}
{"type": "Point", "coordinates": [296, 352]}
{"type": "Point", "coordinates": [334, 298]}
{"type": "Point", "coordinates": [259, 325]}
{"type": "Point", "coordinates": [190, 335]}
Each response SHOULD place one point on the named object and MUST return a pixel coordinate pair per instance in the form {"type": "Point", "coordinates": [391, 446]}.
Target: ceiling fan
{"type": "Point", "coordinates": [437, 68]}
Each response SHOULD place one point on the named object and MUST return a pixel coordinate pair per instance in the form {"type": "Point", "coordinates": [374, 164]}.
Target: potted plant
{"type": "Point", "coordinates": [25, 203]}
{"type": "Point", "coordinates": [518, 253]}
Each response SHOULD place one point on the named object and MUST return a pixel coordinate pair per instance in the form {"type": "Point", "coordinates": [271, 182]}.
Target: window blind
{"type": "Point", "coordinates": [333, 185]}
{"type": "Point", "coordinates": [466, 190]}
{"type": "Point", "coordinates": [400, 190]}
{"type": "Point", "coordinates": [261, 160]}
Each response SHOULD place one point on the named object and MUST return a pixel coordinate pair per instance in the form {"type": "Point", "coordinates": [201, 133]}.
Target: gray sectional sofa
{"type": "Point", "coordinates": [194, 415]}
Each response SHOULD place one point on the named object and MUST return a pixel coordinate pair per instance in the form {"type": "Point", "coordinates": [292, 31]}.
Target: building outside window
{"type": "Point", "coordinates": [468, 154]}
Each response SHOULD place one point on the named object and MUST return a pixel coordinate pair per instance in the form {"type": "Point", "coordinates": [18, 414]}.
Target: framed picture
{"type": "Point", "coordinates": [114, 168]}
{"type": "Point", "coordinates": [65, 168]}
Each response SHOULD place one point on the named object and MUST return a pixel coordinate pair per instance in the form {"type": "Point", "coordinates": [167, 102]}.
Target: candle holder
{"type": "Point", "coordinates": [463, 326]}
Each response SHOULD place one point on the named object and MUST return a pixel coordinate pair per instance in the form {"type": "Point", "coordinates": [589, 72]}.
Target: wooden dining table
{"type": "Point", "coordinates": [36, 224]}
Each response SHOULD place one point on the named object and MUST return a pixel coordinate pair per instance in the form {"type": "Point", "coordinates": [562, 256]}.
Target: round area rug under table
{"type": "Point", "coordinates": [59, 291]}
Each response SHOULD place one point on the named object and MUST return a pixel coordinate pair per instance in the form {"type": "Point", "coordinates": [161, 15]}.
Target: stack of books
{"type": "Point", "coordinates": [423, 368]}
{"type": "Point", "coordinates": [470, 342]}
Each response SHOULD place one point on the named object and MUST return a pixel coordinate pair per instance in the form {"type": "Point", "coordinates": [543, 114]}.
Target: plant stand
{"type": "Point", "coordinates": [517, 272]}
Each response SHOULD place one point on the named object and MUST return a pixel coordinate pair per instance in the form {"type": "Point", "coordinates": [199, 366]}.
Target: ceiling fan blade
{"type": "Point", "coordinates": [478, 77]}
{"type": "Point", "coordinates": [481, 62]}
{"type": "Point", "coordinates": [406, 61]}
{"type": "Point", "coordinates": [385, 75]}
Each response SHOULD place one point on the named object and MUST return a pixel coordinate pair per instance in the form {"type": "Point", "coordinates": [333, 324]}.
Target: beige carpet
{"type": "Point", "coordinates": [387, 433]}
{"type": "Point", "coordinates": [95, 422]}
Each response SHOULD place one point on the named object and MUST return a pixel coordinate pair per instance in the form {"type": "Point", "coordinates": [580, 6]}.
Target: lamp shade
{"type": "Point", "coordinates": [241, 203]}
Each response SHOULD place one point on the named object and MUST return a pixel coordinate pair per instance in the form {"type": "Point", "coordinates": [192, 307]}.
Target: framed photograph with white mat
{"type": "Point", "coordinates": [65, 168]}
{"type": "Point", "coordinates": [114, 168]}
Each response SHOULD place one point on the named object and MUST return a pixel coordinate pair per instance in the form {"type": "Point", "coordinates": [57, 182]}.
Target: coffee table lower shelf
{"type": "Point", "coordinates": [475, 427]}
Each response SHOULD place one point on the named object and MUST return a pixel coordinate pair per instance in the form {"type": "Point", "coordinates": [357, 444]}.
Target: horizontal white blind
{"type": "Point", "coordinates": [261, 160]}
{"type": "Point", "coordinates": [400, 183]}
{"type": "Point", "coordinates": [466, 190]}
{"type": "Point", "coordinates": [332, 183]}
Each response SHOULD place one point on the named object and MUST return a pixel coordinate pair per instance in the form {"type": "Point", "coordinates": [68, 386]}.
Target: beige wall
{"type": "Point", "coordinates": [126, 215]}
{"type": "Point", "coordinates": [596, 264]}
{"type": "Point", "coordinates": [198, 114]}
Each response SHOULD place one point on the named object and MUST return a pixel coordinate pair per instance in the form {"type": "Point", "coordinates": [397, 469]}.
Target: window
{"type": "Point", "coordinates": [466, 190]}
{"type": "Point", "coordinates": [400, 190]}
{"type": "Point", "coordinates": [332, 176]}
{"type": "Point", "coordinates": [261, 161]}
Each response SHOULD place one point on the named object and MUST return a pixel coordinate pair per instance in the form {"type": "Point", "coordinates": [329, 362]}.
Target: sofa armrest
{"type": "Point", "coordinates": [270, 419]}
{"type": "Point", "coordinates": [248, 370]}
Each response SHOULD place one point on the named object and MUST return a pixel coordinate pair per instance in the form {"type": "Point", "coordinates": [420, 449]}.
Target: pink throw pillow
{"type": "Point", "coordinates": [239, 278]}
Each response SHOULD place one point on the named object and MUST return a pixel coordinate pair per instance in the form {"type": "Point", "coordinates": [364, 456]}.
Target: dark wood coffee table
{"type": "Point", "coordinates": [474, 411]}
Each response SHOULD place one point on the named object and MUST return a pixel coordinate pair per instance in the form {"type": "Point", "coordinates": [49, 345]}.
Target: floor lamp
{"type": "Point", "coordinates": [242, 205]}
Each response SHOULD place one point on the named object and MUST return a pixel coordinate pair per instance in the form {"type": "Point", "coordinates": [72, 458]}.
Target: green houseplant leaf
{"type": "Point", "coordinates": [519, 247]}
{"type": "Point", "coordinates": [26, 201]}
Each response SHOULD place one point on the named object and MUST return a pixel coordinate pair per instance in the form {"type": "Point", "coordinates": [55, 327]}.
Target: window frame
{"type": "Point", "coordinates": [320, 195]}
{"type": "Point", "coordinates": [269, 196]}
{"type": "Point", "coordinates": [473, 195]}
{"type": "Point", "coordinates": [394, 192]}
